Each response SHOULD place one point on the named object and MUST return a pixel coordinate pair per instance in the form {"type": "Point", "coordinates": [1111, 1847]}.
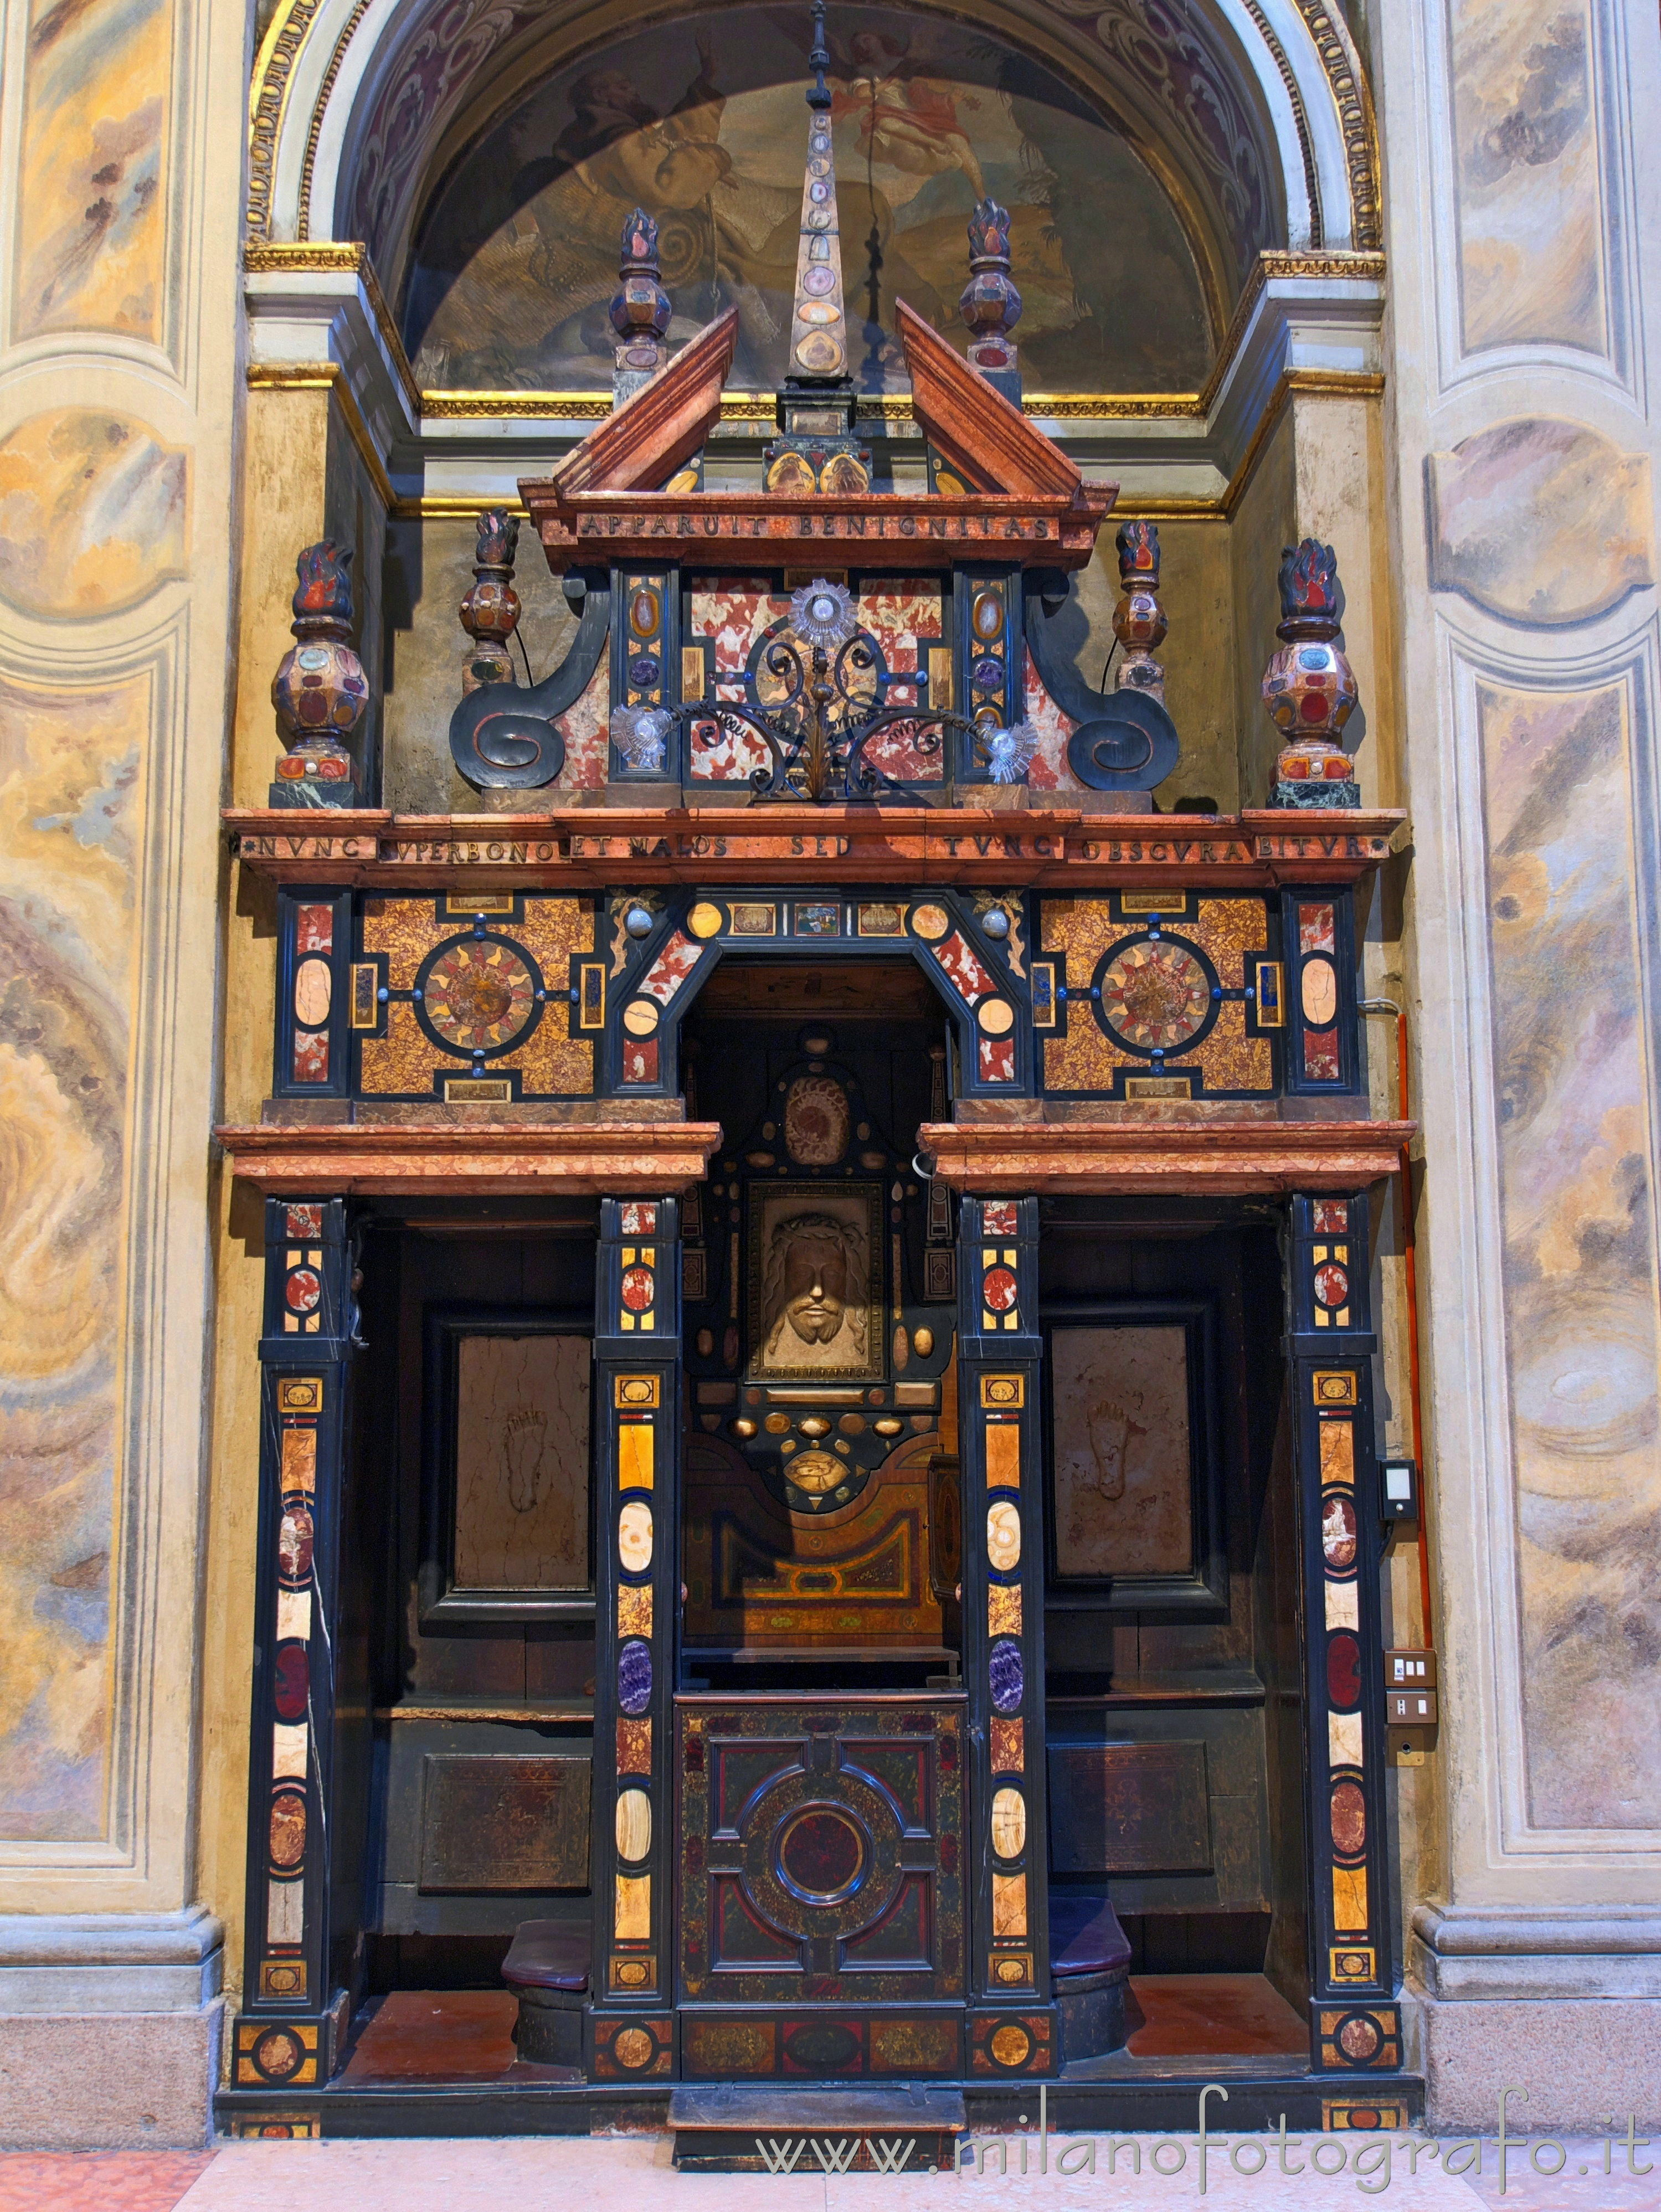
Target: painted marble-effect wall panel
{"type": "Point", "coordinates": [91, 220]}
{"type": "Point", "coordinates": [1541, 519]}
{"type": "Point", "coordinates": [1570, 932]}
{"type": "Point", "coordinates": [95, 513]}
{"type": "Point", "coordinates": [71, 808]}
{"type": "Point", "coordinates": [1528, 203]}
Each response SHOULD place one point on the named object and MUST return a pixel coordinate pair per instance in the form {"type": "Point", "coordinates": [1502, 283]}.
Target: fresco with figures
{"type": "Point", "coordinates": [703, 126]}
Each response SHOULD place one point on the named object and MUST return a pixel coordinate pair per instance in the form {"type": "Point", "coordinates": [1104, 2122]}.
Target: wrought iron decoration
{"type": "Point", "coordinates": [817, 731]}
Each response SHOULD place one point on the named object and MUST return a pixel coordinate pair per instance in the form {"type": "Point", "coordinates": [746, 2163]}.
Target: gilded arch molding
{"type": "Point", "coordinates": [355, 104]}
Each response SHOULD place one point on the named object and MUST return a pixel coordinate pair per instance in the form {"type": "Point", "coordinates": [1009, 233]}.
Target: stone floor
{"type": "Point", "coordinates": [427, 2176]}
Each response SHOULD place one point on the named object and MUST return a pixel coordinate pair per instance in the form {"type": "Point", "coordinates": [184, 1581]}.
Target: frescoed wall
{"type": "Point", "coordinates": [117, 359]}
{"type": "Point", "coordinates": [1526, 544]}
{"type": "Point", "coordinates": [1572, 934]}
{"type": "Point", "coordinates": [705, 127]}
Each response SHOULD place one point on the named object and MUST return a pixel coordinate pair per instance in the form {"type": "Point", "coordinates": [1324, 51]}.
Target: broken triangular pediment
{"type": "Point", "coordinates": [640, 444]}
{"type": "Point", "coordinates": [989, 443]}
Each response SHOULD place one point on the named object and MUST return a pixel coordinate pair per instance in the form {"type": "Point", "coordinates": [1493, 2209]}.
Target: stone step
{"type": "Point", "coordinates": [773, 2127]}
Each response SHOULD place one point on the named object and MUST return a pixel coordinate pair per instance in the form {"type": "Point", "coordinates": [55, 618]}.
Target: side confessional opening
{"type": "Point", "coordinates": [821, 1550]}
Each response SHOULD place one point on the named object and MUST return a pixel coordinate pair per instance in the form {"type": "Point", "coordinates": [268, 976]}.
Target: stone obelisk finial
{"type": "Point", "coordinates": [818, 451]}
{"type": "Point", "coordinates": [819, 321]}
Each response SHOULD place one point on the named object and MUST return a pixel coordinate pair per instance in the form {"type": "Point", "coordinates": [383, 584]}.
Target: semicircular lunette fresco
{"type": "Point", "coordinates": [704, 125]}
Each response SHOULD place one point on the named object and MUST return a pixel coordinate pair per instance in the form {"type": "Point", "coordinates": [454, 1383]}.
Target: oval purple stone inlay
{"type": "Point", "coordinates": [634, 1678]}
{"type": "Point", "coordinates": [1007, 1676]}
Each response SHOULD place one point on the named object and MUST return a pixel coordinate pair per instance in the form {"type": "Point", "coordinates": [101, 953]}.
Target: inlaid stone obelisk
{"type": "Point", "coordinates": [818, 451]}
{"type": "Point", "coordinates": [818, 322]}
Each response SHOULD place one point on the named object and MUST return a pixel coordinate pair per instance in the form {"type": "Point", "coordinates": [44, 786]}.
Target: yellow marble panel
{"type": "Point", "coordinates": [1349, 1898]}
{"type": "Point", "coordinates": [552, 930]}
{"type": "Point", "coordinates": [634, 1455]}
{"type": "Point", "coordinates": [1008, 1904]}
{"type": "Point", "coordinates": [634, 1907]}
{"type": "Point", "coordinates": [1003, 1610]}
{"type": "Point", "coordinates": [91, 237]}
{"type": "Point", "coordinates": [634, 1609]}
{"type": "Point", "coordinates": [404, 930]}
{"type": "Point", "coordinates": [553, 1060]}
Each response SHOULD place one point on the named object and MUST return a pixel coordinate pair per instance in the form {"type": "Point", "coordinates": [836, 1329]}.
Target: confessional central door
{"type": "Point", "coordinates": [821, 1863]}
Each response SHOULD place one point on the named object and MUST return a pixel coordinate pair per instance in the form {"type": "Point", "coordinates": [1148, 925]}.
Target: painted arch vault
{"type": "Point", "coordinates": [516, 261]}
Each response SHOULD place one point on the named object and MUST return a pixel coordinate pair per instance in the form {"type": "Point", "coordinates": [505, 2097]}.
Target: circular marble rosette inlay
{"type": "Point", "coordinates": [478, 995]}
{"type": "Point", "coordinates": [1155, 997]}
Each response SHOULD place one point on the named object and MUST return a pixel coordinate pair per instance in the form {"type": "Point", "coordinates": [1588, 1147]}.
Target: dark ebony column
{"type": "Point", "coordinates": [637, 1632]}
{"type": "Point", "coordinates": [285, 2031]}
{"type": "Point", "coordinates": [1355, 2026]}
{"type": "Point", "coordinates": [1011, 2021]}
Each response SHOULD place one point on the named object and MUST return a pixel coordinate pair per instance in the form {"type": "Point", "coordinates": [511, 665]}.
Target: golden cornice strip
{"type": "Point", "coordinates": [444, 505]}
{"type": "Point", "coordinates": [528, 406]}
{"type": "Point", "coordinates": [332, 256]}
{"type": "Point", "coordinates": [329, 376]}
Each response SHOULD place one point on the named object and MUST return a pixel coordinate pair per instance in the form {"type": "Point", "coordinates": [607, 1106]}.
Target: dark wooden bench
{"type": "Point", "coordinates": [547, 1969]}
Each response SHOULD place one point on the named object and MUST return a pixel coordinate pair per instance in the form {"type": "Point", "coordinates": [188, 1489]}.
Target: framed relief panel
{"type": "Point", "coordinates": [1136, 1519]}
{"type": "Point", "coordinates": [816, 1282]}
{"type": "Point", "coordinates": [508, 1528]}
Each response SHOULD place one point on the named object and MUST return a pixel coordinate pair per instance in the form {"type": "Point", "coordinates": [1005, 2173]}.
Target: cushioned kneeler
{"type": "Point", "coordinates": [1089, 1964]}
{"type": "Point", "coordinates": [547, 1969]}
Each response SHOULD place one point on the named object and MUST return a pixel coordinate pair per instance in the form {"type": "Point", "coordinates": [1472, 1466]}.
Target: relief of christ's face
{"type": "Point", "coordinates": [815, 1285]}
{"type": "Point", "coordinates": [813, 1314]}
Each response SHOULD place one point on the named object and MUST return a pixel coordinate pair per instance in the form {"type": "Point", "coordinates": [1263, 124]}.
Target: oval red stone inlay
{"type": "Point", "coordinates": [1331, 1284]}
{"type": "Point", "coordinates": [1343, 1673]}
{"type": "Point", "coordinates": [1349, 1820]}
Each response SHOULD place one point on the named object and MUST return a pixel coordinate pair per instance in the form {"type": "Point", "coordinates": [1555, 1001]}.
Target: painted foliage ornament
{"type": "Point", "coordinates": [822, 614]}
{"type": "Point", "coordinates": [1309, 686]}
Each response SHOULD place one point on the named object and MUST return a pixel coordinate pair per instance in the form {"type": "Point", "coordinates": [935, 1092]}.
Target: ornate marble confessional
{"type": "Point", "coordinates": [818, 1492]}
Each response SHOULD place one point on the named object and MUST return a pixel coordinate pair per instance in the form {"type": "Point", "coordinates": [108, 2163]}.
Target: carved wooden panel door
{"type": "Point", "coordinates": [821, 1849]}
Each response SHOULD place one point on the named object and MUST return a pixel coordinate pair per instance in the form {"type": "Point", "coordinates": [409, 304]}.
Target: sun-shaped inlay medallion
{"type": "Point", "coordinates": [1155, 996]}
{"type": "Point", "coordinates": [479, 995]}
